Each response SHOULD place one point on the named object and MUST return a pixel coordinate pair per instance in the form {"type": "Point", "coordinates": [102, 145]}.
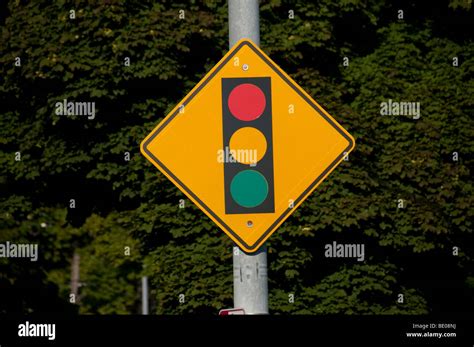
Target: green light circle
{"type": "Point", "coordinates": [249, 188]}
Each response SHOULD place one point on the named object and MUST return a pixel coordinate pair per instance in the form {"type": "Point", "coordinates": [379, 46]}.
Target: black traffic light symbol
{"type": "Point", "coordinates": [248, 143]}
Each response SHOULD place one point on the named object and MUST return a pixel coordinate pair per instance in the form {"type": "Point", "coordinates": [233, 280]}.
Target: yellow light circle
{"type": "Point", "coordinates": [248, 145]}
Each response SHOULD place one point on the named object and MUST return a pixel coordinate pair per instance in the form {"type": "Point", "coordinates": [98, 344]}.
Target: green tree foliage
{"type": "Point", "coordinates": [124, 204]}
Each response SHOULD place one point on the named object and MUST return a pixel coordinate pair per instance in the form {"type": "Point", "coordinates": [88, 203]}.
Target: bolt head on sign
{"type": "Point", "coordinates": [247, 145]}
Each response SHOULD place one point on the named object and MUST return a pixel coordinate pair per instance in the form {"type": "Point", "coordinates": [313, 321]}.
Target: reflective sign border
{"type": "Point", "coordinates": [144, 145]}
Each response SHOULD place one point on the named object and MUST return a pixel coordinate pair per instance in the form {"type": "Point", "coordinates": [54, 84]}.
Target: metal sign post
{"type": "Point", "coordinates": [250, 270]}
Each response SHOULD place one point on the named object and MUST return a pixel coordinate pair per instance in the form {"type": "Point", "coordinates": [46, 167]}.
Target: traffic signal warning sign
{"type": "Point", "coordinates": [247, 145]}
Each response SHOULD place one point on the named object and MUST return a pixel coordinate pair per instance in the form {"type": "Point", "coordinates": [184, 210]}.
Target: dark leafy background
{"type": "Point", "coordinates": [129, 204]}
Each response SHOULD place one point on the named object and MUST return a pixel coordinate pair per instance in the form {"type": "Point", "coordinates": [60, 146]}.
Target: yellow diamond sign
{"type": "Point", "coordinates": [247, 145]}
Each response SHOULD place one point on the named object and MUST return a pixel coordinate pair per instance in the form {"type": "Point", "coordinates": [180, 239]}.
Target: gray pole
{"type": "Point", "coordinates": [75, 271]}
{"type": "Point", "coordinates": [244, 21]}
{"type": "Point", "coordinates": [250, 270]}
{"type": "Point", "coordinates": [144, 295]}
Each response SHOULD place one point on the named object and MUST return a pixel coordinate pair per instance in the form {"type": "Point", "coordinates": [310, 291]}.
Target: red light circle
{"type": "Point", "coordinates": [246, 102]}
